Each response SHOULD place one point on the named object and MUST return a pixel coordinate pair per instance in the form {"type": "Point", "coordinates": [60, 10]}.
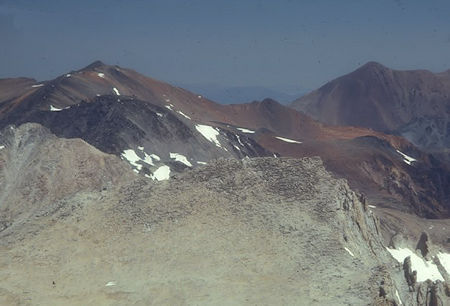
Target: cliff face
{"type": "Point", "coordinates": [247, 231]}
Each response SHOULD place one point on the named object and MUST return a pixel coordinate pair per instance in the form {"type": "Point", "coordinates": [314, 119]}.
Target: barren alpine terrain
{"type": "Point", "coordinates": [252, 231]}
{"type": "Point", "coordinates": [224, 153]}
{"type": "Point", "coordinates": [258, 231]}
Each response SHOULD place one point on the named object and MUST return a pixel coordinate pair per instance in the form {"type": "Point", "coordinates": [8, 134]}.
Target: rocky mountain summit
{"type": "Point", "coordinates": [250, 231]}
{"type": "Point", "coordinates": [119, 189]}
{"type": "Point", "coordinates": [414, 104]}
{"type": "Point", "coordinates": [162, 129]}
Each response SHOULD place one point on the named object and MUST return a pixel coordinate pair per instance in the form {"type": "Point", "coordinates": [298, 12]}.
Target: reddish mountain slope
{"type": "Point", "coordinates": [415, 104]}
{"type": "Point", "coordinates": [118, 110]}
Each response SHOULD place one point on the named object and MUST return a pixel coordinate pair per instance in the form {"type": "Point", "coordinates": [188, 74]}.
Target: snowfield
{"type": "Point", "coordinates": [180, 158]}
{"type": "Point", "coordinates": [407, 159]}
{"type": "Point", "coordinates": [287, 140]}
{"type": "Point", "coordinates": [209, 133]}
{"type": "Point", "coordinates": [444, 258]}
{"type": "Point", "coordinates": [239, 139]}
{"type": "Point", "coordinates": [425, 269]}
{"type": "Point", "coordinates": [155, 157]}
{"type": "Point", "coordinates": [184, 115]}
{"type": "Point", "coordinates": [55, 109]}
{"type": "Point", "coordinates": [132, 158]}
{"type": "Point", "coordinates": [244, 130]}
{"type": "Point", "coordinates": [162, 173]}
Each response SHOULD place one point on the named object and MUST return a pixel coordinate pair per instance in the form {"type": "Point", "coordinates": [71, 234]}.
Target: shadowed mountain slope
{"type": "Point", "coordinates": [161, 130]}
{"type": "Point", "coordinates": [415, 104]}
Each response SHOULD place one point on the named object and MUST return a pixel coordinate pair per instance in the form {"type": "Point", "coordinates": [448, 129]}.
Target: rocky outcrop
{"type": "Point", "coordinates": [251, 231]}
{"type": "Point", "coordinates": [432, 294]}
{"type": "Point", "coordinates": [38, 169]}
{"type": "Point", "coordinates": [410, 275]}
{"type": "Point", "coordinates": [423, 245]}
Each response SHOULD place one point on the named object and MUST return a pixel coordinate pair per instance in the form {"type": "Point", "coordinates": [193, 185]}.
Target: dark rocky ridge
{"type": "Point", "coordinates": [114, 123]}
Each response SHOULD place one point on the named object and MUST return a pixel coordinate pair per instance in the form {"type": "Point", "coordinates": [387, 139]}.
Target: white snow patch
{"type": "Point", "coordinates": [116, 91]}
{"type": "Point", "coordinates": [202, 163]}
{"type": "Point", "coordinates": [444, 258]}
{"type": "Point", "coordinates": [287, 140]}
{"type": "Point", "coordinates": [372, 206]}
{"type": "Point", "coordinates": [168, 106]}
{"type": "Point", "coordinates": [135, 170]}
{"type": "Point", "coordinates": [184, 115]}
{"type": "Point", "coordinates": [180, 158]}
{"type": "Point", "coordinates": [209, 133]}
{"type": "Point", "coordinates": [101, 75]}
{"type": "Point", "coordinates": [37, 85]}
{"type": "Point", "coordinates": [244, 130]}
{"type": "Point", "coordinates": [350, 252]}
{"type": "Point", "coordinates": [162, 173]}
{"type": "Point", "coordinates": [425, 269]}
{"type": "Point", "coordinates": [159, 114]}
{"type": "Point", "coordinates": [2, 147]}
{"type": "Point", "coordinates": [68, 75]}
{"type": "Point", "coordinates": [98, 95]}
{"type": "Point", "coordinates": [132, 158]}
{"type": "Point", "coordinates": [407, 159]}
{"type": "Point", "coordinates": [167, 100]}
{"type": "Point", "coordinates": [239, 139]}
{"type": "Point", "coordinates": [109, 284]}
{"type": "Point", "coordinates": [237, 148]}
{"type": "Point", "coordinates": [199, 97]}
{"type": "Point", "coordinates": [398, 297]}
{"type": "Point", "coordinates": [155, 157]}
{"type": "Point", "coordinates": [55, 109]}
{"type": "Point", "coordinates": [148, 159]}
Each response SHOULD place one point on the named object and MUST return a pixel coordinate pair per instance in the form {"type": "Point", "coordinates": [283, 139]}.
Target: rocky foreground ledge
{"type": "Point", "coordinates": [265, 231]}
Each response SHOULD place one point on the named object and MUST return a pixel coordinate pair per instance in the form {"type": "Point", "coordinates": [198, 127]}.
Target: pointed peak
{"type": "Point", "coordinates": [94, 65]}
{"type": "Point", "coordinates": [269, 101]}
{"type": "Point", "coordinates": [373, 66]}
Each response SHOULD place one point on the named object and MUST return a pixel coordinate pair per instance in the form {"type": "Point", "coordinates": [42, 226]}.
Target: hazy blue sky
{"type": "Point", "coordinates": [277, 44]}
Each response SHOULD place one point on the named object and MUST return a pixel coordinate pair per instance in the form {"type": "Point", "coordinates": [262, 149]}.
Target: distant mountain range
{"type": "Point", "coordinates": [414, 104]}
{"type": "Point", "coordinates": [241, 94]}
{"type": "Point", "coordinates": [160, 129]}
{"type": "Point", "coordinates": [116, 188]}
